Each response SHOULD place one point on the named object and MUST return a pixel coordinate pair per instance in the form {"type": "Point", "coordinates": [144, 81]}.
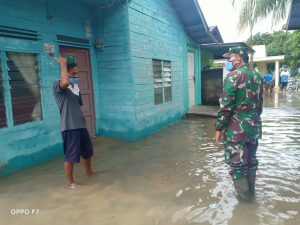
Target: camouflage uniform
{"type": "Point", "coordinates": [239, 119]}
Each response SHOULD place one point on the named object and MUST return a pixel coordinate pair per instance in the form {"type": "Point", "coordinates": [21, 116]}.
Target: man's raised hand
{"type": "Point", "coordinates": [61, 60]}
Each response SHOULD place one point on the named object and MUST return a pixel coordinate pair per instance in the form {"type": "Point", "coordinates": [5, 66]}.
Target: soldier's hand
{"type": "Point", "coordinates": [218, 136]}
{"type": "Point", "coordinates": [61, 60]}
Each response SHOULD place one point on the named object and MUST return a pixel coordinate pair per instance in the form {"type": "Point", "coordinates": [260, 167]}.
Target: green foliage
{"type": "Point", "coordinates": [280, 43]}
{"type": "Point", "coordinates": [277, 46]}
{"type": "Point", "coordinates": [293, 49]}
{"type": "Point", "coordinates": [260, 39]}
{"type": "Point", "coordinates": [206, 59]}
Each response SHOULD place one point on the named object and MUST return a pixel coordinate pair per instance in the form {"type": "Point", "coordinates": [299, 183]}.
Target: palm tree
{"type": "Point", "coordinates": [252, 11]}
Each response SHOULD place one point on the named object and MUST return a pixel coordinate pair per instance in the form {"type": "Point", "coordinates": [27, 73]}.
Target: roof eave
{"type": "Point", "coordinates": [293, 22]}
{"type": "Point", "coordinates": [199, 21]}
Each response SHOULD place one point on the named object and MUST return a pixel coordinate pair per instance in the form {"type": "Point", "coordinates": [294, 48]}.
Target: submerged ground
{"type": "Point", "coordinates": [176, 176]}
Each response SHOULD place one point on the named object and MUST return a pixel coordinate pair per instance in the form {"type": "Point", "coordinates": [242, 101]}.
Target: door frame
{"type": "Point", "coordinates": [194, 77]}
{"type": "Point", "coordinates": [91, 80]}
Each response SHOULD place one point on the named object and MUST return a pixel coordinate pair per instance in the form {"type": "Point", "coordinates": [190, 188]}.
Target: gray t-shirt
{"type": "Point", "coordinates": [69, 101]}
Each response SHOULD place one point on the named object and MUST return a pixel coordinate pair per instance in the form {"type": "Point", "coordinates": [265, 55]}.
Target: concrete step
{"type": "Point", "coordinates": [203, 110]}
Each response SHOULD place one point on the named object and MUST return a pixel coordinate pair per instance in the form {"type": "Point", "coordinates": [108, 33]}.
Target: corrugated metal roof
{"type": "Point", "coordinates": [294, 16]}
{"type": "Point", "coordinates": [193, 21]}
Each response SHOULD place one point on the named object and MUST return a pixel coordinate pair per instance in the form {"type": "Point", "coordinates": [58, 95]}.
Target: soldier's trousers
{"type": "Point", "coordinates": [241, 157]}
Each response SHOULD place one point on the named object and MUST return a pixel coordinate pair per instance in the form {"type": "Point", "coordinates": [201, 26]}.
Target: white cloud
{"type": "Point", "coordinates": [225, 16]}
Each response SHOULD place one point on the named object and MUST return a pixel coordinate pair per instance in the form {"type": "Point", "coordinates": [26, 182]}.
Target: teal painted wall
{"type": "Point", "coordinates": [121, 71]}
{"type": "Point", "coordinates": [117, 109]}
{"type": "Point", "coordinates": [25, 145]}
{"type": "Point", "coordinates": [156, 33]}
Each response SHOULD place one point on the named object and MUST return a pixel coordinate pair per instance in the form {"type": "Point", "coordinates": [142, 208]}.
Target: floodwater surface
{"type": "Point", "coordinates": [176, 176]}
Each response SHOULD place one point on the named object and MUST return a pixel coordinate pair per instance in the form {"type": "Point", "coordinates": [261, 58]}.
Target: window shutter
{"type": "Point", "coordinates": [167, 81]}
{"type": "Point", "coordinates": [162, 81]}
{"type": "Point", "coordinates": [3, 122]}
{"type": "Point", "coordinates": [158, 81]}
{"type": "Point", "coordinates": [24, 87]}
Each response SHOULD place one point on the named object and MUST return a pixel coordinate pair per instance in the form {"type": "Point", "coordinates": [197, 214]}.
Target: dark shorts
{"type": "Point", "coordinates": [268, 86]}
{"type": "Point", "coordinates": [284, 84]}
{"type": "Point", "coordinates": [77, 143]}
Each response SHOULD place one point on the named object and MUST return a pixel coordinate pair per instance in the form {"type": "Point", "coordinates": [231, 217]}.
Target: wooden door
{"type": "Point", "coordinates": [81, 57]}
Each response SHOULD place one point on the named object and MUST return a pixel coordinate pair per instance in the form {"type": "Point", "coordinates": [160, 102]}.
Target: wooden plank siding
{"type": "Point", "coordinates": [114, 67]}
{"type": "Point", "coordinates": [132, 35]}
{"type": "Point", "coordinates": [155, 33]}
{"type": "Point", "coordinates": [31, 143]}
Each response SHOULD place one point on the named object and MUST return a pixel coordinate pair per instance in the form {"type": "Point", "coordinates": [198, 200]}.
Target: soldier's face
{"type": "Point", "coordinates": [232, 58]}
{"type": "Point", "coordinates": [235, 59]}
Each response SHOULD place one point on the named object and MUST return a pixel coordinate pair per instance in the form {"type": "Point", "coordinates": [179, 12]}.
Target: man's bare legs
{"type": "Point", "coordinates": [88, 167]}
{"type": "Point", "coordinates": [69, 172]}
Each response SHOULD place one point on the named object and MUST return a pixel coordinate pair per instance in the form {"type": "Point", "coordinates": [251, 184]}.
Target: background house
{"type": "Point", "coordinates": [213, 70]}
{"type": "Point", "coordinates": [263, 63]}
{"type": "Point", "coordinates": [293, 22]}
{"type": "Point", "coordinates": [139, 64]}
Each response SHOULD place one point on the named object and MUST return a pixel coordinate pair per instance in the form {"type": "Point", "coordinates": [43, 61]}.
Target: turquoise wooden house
{"type": "Point", "coordinates": [139, 65]}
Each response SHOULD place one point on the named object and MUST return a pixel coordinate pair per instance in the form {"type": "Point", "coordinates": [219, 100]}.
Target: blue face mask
{"type": "Point", "coordinates": [73, 80]}
{"type": "Point", "coordinates": [228, 65]}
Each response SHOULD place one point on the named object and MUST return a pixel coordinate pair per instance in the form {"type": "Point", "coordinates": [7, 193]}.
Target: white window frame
{"type": "Point", "coordinates": [164, 80]}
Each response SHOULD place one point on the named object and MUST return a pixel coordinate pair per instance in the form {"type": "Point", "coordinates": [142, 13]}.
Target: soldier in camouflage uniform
{"type": "Point", "coordinates": [238, 120]}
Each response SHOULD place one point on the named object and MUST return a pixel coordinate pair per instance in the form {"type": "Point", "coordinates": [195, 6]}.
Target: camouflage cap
{"type": "Point", "coordinates": [236, 50]}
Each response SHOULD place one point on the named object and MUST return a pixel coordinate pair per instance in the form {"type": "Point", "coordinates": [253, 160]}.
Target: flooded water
{"type": "Point", "coordinates": [176, 176]}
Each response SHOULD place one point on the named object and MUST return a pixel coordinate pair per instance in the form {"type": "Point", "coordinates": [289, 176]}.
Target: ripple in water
{"type": "Point", "coordinates": [176, 176]}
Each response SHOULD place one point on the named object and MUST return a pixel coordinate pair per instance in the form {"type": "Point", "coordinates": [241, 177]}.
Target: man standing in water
{"type": "Point", "coordinates": [284, 78]}
{"type": "Point", "coordinates": [76, 139]}
{"type": "Point", "coordinates": [238, 120]}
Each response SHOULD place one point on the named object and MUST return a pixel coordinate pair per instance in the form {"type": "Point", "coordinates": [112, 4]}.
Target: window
{"type": "Point", "coordinates": [162, 81]}
{"type": "Point", "coordinates": [24, 89]}
{"type": "Point", "coordinates": [2, 102]}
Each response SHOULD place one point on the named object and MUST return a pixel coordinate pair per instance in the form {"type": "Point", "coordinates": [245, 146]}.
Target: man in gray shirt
{"type": "Point", "coordinates": [76, 140]}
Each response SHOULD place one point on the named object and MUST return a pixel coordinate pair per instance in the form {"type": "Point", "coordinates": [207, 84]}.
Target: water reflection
{"type": "Point", "coordinates": [282, 100]}
{"type": "Point", "coordinates": [177, 176]}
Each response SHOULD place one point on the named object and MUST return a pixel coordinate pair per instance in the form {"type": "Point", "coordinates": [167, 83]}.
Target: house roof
{"type": "Point", "coordinates": [268, 59]}
{"type": "Point", "coordinates": [189, 13]}
{"type": "Point", "coordinates": [293, 22]}
{"type": "Point", "coordinates": [216, 33]}
{"type": "Point", "coordinates": [193, 21]}
{"type": "Point", "coordinates": [218, 49]}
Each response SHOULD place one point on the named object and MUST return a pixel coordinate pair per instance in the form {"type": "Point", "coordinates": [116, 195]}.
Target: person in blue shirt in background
{"type": "Point", "coordinates": [268, 82]}
{"type": "Point", "coordinates": [284, 78]}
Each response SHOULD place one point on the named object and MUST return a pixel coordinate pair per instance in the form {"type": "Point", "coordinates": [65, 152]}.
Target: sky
{"type": "Point", "coordinates": [225, 16]}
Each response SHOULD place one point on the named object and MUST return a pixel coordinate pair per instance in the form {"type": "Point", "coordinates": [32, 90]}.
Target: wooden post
{"type": "Point", "coordinates": [251, 64]}
{"type": "Point", "coordinates": [277, 76]}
